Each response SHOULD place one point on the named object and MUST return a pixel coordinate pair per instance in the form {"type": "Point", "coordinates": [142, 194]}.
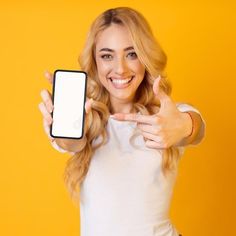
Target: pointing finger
{"type": "Point", "coordinates": [135, 117]}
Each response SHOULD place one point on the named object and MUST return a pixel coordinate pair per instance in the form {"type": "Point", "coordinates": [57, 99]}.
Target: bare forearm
{"type": "Point", "coordinates": [72, 145]}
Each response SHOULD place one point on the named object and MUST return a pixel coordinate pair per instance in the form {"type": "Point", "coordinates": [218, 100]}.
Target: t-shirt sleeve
{"type": "Point", "coordinates": [183, 107]}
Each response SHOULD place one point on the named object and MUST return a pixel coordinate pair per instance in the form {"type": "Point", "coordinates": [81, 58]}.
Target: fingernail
{"type": "Point", "coordinates": [112, 116]}
{"type": "Point", "coordinates": [159, 77]}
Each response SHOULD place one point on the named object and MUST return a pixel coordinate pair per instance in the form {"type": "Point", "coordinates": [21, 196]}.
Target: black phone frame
{"type": "Point", "coordinates": [53, 94]}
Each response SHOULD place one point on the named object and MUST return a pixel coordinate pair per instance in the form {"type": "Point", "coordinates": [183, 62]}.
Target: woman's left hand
{"type": "Point", "coordinates": [164, 129]}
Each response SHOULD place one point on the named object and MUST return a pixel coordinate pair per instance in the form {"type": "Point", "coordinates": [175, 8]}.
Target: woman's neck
{"type": "Point", "coordinates": [119, 106]}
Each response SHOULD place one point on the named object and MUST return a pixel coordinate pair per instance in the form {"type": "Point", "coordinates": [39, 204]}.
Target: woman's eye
{"type": "Point", "coordinates": [132, 55]}
{"type": "Point", "coordinates": [106, 56]}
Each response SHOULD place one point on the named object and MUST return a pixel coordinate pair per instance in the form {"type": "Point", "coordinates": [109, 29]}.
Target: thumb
{"type": "Point", "coordinates": [159, 93]}
{"type": "Point", "coordinates": [167, 105]}
{"type": "Point", "coordinates": [88, 105]}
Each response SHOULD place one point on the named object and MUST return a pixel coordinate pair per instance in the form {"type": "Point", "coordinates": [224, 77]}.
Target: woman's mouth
{"type": "Point", "coordinates": [121, 83]}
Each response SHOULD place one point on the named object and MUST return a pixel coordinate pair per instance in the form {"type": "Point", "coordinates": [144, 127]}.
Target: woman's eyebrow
{"type": "Point", "coordinates": [111, 50]}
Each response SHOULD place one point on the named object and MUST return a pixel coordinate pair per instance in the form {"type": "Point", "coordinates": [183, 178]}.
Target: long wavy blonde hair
{"type": "Point", "coordinates": [151, 56]}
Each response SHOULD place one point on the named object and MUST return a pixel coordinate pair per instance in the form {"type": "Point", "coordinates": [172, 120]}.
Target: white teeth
{"type": "Point", "coordinates": [121, 81]}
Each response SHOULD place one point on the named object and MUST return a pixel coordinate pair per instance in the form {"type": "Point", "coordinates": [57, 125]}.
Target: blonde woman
{"type": "Point", "coordinates": [122, 172]}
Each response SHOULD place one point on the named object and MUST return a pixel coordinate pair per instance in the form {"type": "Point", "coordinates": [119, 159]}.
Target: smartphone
{"type": "Point", "coordinates": [68, 97]}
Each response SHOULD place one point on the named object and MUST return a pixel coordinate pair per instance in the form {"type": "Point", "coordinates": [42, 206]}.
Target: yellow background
{"type": "Point", "coordinates": [199, 39]}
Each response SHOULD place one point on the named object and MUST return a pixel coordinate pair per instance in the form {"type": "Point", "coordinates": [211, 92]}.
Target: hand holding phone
{"type": "Point", "coordinates": [68, 97]}
{"type": "Point", "coordinates": [46, 108]}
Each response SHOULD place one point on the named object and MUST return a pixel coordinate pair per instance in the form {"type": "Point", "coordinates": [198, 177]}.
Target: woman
{"type": "Point", "coordinates": [124, 168]}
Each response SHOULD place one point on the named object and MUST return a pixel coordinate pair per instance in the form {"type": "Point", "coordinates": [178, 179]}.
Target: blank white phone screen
{"type": "Point", "coordinates": [69, 98]}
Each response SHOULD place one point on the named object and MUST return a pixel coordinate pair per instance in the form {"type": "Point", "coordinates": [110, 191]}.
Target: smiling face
{"type": "Point", "coordinates": [119, 68]}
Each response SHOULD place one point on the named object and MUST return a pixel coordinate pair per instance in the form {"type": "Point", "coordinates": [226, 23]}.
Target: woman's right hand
{"type": "Point", "coordinates": [46, 108]}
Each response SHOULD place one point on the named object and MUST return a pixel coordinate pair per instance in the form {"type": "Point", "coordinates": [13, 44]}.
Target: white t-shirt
{"type": "Point", "coordinates": [125, 192]}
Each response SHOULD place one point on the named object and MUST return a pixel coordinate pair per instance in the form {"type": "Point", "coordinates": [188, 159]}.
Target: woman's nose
{"type": "Point", "coordinates": [121, 66]}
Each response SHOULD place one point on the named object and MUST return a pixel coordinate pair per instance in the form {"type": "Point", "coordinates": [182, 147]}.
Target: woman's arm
{"type": "Point", "coordinates": [171, 126]}
{"type": "Point", "coordinates": [46, 108]}
{"type": "Point", "coordinates": [69, 145]}
{"type": "Point", "coordinates": [197, 128]}
{"type": "Point", "coordinates": [194, 123]}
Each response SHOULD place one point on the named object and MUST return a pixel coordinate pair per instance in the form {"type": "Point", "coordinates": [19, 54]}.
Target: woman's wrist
{"type": "Point", "coordinates": [72, 145]}
{"type": "Point", "coordinates": [187, 129]}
